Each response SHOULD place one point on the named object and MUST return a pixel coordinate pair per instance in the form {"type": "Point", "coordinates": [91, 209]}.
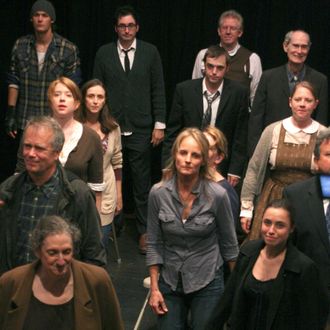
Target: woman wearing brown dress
{"type": "Point", "coordinates": [286, 150]}
{"type": "Point", "coordinates": [82, 150]}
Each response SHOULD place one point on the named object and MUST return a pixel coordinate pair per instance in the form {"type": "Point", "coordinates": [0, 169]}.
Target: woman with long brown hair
{"type": "Point", "coordinates": [95, 114]}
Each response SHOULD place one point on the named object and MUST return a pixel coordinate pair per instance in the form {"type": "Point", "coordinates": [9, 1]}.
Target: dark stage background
{"type": "Point", "coordinates": [178, 28]}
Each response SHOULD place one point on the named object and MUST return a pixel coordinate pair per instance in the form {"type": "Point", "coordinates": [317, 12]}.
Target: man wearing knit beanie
{"type": "Point", "coordinates": [45, 6]}
{"type": "Point", "coordinates": [37, 60]}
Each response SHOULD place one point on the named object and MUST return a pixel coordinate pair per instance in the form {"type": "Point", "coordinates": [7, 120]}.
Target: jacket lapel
{"type": "Point", "coordinates": [197, 99]}
{"type": "Point", "coordinates": [283, 82]}
{"type": "Point", "coordinates": [316, 211]}
{"type": "Point", "coordinates": [20, 301]}
{"type": "Point", "coordinates": [137, 55]}
{"type": "Point", "coordinates": [85, 316]}
{"type": "Point", "coordinates": [290, 264]}
{"type": "Point", "coordinates": [116, 58]}
{"type": "Point", "coordinates": [224, 97]}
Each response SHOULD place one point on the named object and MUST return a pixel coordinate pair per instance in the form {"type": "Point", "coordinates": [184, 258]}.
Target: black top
{"type": "Point", "coordinates": [41, 316]}
{"type": "Point", "coordinates": [258, 299]}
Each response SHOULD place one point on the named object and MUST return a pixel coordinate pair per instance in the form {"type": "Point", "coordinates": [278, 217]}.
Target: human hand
{"type": "Point", "coordinates": [119, 205]}
{"type": "Point", "coordinates": [157, 303]}
{"type": "Point", "coordinates": [246, 224]}
{"type": "Point", "coordinates": [233, 180]}
{"type": "Point", "coordinates": [157, 136]}
{"type": "Point", "coordinates": [10, 122]}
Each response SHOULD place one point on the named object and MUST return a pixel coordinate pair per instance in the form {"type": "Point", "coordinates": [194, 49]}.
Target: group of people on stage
{"type": "Point", "coordinates": [245, 153]}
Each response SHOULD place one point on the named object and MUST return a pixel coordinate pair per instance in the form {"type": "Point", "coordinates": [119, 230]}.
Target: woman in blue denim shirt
{"type": "Point", "coordinates": [190, 235]}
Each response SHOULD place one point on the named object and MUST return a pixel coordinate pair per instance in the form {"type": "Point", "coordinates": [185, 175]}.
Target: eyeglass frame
{"type": "Point", "coordinates": [123, 27]}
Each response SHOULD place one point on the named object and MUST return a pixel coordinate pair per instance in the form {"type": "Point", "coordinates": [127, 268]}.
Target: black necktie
{"type": "Point", "coordinates": [208, 113]}
{"type": "Point", "coordinates": [126, 61]}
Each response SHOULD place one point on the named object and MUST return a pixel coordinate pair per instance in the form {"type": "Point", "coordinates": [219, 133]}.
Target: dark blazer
{"type": "Point", "coordinates": [136, 100]}
{"type": "Point", "coordinates": [311, 235]}
{"type": "Point", "coordinates": [271, 101]}
{"type": "Point", "coordinates": [232, 118]}
{"type": "Point", "coordinates": [95, 302]}
{"type": "Point", "coordinates": [295, 295]}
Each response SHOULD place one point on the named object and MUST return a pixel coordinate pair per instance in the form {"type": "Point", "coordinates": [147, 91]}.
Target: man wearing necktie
{"type": "Point", "coordinates": [271, 99]}
{"type": "Point", "coordinates": [212, 100]}
{"type": "Point", "coordinates": [131, 70]}
{"type": "Point", "coordinates": [310, 201]}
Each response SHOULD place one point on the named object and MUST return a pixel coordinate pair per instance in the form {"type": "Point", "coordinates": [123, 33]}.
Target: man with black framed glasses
{"type": "Point", "coordinates": [132, 72]}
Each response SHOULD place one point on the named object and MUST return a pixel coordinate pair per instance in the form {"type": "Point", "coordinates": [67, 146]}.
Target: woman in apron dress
{"type": "Point", "coordinates": [284, 155]}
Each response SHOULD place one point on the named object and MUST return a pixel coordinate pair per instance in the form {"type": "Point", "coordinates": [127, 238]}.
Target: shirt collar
{"type": "Point", "coordinates": [293, 129]}
{"type": "Point", "coordinates": [171, 186]}
{"type": "Point", "coordinates": [121, 48]}
{"type": "Point", "coordinates": [47, 188]}
{"type": "Point", "coordinates": [300, 75]}
{"type": "Point", "coordinates": [205, 89]}
{"type": "Point", "coordinates": [234, 50]}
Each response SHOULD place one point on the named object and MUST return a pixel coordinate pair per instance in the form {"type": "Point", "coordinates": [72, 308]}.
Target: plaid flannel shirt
{"type": "Point", "coordinates": [36, 203]}
{"type": "Point", "coordinates": [61, 59]}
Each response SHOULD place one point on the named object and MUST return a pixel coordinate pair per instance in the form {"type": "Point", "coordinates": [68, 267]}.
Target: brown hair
{"type": "Point", "coordinates": [281, 204]}
{"type": "Point", "coordinates": [305, 84]}
{"type": "Point", "coordinates": [107, 122]}
{"type": "Point", "coordinates": [216, 51]}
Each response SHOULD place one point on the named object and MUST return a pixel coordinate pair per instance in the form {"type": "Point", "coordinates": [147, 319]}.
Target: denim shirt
{"type": "Point", "coordinates": [196, 248]}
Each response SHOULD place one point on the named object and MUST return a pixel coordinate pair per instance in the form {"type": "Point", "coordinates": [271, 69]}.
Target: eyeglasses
{"type": "Point", "coordinates": [230, 28]}
{"type": "Point", "coordinates": [123, 27]}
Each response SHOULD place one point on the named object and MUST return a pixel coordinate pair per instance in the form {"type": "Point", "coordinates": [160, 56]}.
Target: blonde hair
{"type": "Point", "coordinates": [202, 142]}
{"type": "Point", "coordinates": [219, 139]}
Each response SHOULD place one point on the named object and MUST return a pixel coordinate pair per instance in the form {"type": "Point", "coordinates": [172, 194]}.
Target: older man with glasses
{"type": "Point", "coordinates": [245, 66]}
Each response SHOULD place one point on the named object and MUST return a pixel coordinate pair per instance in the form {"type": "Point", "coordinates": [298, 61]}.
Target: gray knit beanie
{"type": "Point", "coordinates": [44, 5]}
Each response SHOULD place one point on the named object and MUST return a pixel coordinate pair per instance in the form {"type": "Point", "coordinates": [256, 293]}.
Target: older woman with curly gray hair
{"type": "Point", "coordinates": [56, 289]}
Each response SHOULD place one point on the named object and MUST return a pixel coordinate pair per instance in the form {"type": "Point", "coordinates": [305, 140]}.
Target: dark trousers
{"type": "Point", "coordinates": [136, 155]}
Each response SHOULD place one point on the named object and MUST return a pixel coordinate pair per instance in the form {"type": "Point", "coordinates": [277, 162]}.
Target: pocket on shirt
{"type": "Point", "coordinates": [57, 68]}
{"type": "Point", "coordinates": [23, 63]}
{"type": "Point", "coordinates": [166, 217]}
{"type": "Point", "coordinates": [203, 220]}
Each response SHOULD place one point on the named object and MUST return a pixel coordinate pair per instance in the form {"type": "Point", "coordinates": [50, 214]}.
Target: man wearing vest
{"type": "Point", "coordinates": [245, 66]}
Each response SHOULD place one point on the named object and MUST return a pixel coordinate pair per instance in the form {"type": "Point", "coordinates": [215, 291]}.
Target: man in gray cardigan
{"type": "Point", "coordinates": [132, 72]}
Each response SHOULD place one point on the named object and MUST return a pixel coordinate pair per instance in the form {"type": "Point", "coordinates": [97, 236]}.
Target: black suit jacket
{"type": "Point", "coordinates": [232, 118]}
{"type": "Point", "coordinates": [311, 235]}
{"type": "Point", "coordinates": [271, 102]}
